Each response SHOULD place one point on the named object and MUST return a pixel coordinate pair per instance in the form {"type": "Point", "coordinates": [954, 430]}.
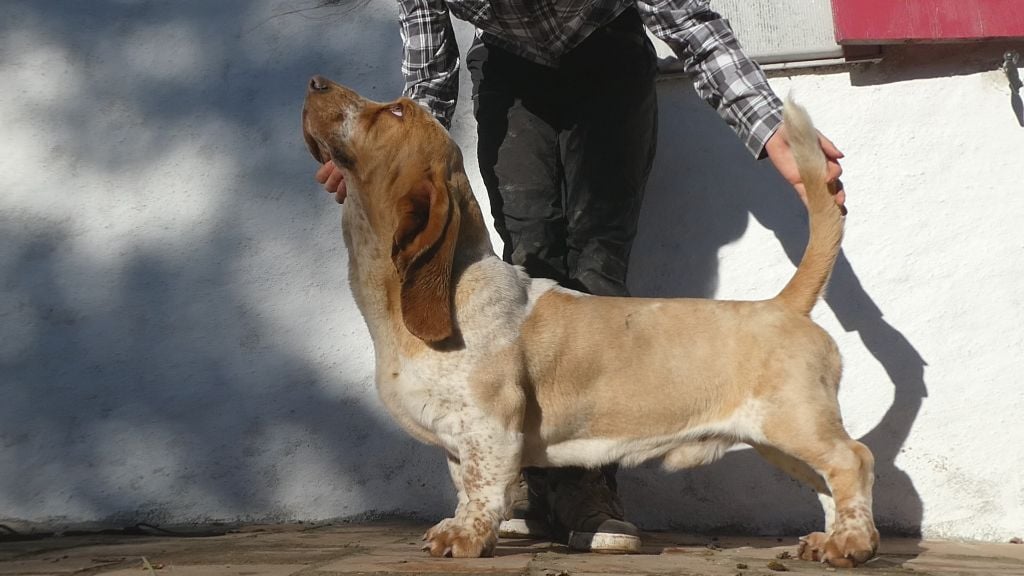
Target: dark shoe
{"type": "Point", "coordinates": [587, 513]}
{"type": "Point", "coordinates": [528, 513]}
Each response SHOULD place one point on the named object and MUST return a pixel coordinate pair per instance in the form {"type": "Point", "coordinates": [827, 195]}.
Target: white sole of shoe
{"type": "Point", "coordinates": [604, 542]}
{"type": "Point", "coordinates": [520, 528]}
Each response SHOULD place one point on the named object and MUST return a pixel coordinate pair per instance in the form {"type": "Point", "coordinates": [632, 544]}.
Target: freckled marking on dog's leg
{"type": "Point", "coordinates": [847, 468]}
{"type": "Point", "coordinates": [486, 470]}
{"type": "Point", "coordinates": [853, 538]}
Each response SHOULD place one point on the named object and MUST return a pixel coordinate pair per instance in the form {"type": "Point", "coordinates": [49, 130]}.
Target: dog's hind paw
{"type": "Point", "coordinates": [450, 538]}
{"type": "Point", "coordinates": [840, 550]}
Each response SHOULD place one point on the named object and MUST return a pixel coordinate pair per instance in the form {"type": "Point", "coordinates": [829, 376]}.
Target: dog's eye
{"type": "Point", "coordinates": [397, 110]}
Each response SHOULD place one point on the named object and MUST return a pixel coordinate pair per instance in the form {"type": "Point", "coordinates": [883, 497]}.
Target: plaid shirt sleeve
{"type": "Point", "coordinates": [430, 59]}
{"type": "Point", "coordinates": [723, 75]}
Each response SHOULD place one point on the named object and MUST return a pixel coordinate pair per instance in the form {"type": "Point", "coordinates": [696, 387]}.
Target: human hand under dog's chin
{"type": "Point", "coordinates": [333, 180]}
{"type": "Point", "coordinates": [779, 152]}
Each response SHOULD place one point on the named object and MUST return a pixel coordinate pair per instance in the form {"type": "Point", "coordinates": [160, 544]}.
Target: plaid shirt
{"type": "Point", "coordinates": [543, 30]}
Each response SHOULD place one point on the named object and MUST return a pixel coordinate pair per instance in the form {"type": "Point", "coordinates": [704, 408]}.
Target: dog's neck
{"type": "Point", "coordinates": [371, 273]}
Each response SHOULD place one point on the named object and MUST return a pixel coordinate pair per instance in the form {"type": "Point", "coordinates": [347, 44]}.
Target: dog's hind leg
{"type": "Point", "coordinates": [802, 472]}
{"type": "Point", "coordinates": [487, 465]}
{"type": "Point", "coordinates": [847, 468]}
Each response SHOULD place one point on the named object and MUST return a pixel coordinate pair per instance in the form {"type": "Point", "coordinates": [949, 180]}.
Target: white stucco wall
{"type": "Point", "coordinates": [178, 343]}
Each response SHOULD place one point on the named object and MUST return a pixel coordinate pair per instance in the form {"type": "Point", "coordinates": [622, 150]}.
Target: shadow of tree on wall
{"type": "Point", "coordinates": [683, 226]}
{"type": "Point", "coordinates": [155, 374]}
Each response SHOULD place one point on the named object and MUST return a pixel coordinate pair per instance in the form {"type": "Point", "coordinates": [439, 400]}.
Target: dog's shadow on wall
{"type": "Point", "coordinates": [702, 191]}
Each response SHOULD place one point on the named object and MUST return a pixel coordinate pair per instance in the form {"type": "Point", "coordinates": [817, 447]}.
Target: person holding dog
{"type": "Point", "coordinates": [566, 110]}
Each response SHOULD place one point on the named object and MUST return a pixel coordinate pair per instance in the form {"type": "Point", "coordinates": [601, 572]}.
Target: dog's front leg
{"type": "Point", "coordinates": [488, 463]}
{"type": "Point", "coordinates": [455, 470]}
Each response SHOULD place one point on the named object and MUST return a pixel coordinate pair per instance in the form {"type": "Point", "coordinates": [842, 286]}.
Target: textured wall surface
{"type": "Point", "coordinates": [178, 342]}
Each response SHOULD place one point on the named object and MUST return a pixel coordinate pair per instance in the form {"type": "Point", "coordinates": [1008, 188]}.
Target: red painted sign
{"type": "Point", "coordinates": [891, 21]}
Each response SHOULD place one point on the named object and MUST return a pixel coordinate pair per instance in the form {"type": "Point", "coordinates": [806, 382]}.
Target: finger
{"type": "Point", "coordinates": [342, 192]}
{"type": "Point", "coordinates": [324, 171]}
{"type": "Point", "coordinates": [840, 195]}
{"type": "Point", "coordinates": [833, 171]}
{"type": "Point", "coordinates": [802, 192]}
{"type": "Point", "coordinates": [334, 181]}
{"type": "Point", "coordinates": [829, 148]}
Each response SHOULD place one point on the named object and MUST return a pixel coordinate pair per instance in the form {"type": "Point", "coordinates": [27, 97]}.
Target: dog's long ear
{"type": "Point", "coordinates": [423, 248]}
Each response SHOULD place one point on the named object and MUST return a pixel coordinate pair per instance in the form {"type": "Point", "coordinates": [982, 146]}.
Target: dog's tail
{"type": "Point", "coordinates": [825, 216]}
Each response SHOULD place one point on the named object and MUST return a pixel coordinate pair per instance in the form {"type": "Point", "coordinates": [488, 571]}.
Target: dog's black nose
{"type": "Point", "coordinates": [318, 83]}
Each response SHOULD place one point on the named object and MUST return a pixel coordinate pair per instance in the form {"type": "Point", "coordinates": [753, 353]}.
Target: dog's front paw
{"type": "Point", "coordinates": [452, 538]}
{"type": "Point", "coordinates": [841, 549]}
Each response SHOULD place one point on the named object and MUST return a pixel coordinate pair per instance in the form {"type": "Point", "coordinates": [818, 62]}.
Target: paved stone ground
{"type": "Point", "coordinates": [394, 548]}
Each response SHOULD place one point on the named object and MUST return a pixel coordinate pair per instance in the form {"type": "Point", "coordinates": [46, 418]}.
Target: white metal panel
{"type": "Point", "coordinates": [776, 31]}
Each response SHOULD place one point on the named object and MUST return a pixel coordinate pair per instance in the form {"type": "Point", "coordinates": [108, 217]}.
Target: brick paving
{"type": "Point", "coordinates": [385, 548]}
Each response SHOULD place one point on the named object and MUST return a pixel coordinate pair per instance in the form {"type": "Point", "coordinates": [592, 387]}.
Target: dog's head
{"type": "Point", "coordinates": [407, 175]}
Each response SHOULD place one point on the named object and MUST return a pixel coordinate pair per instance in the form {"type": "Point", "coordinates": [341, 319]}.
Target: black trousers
{"type": "Point", "coordinates": [565, 153]}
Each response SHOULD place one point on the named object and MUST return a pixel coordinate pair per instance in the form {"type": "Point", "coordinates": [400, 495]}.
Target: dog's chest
{"type": "Point", "coordinates": [425, 400]}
